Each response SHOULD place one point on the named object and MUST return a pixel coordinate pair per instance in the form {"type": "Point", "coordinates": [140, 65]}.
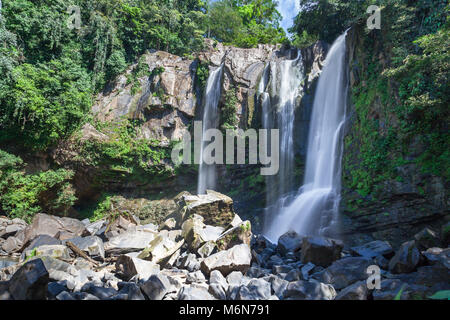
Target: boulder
{"type": "Point", "coordinates": [242, 233]}
{"type": "Point", "coordinates": [195, 277]}
{"type": "Point", "coordinates": [206, 249]}
{"type": "Point", "coordinates": [426, 239]}
{"type": "Point", "coordinates": [161, 249]}
{"type": "Point", "coordinates": [12, 245]}
{"type": "Point", "coordinates": [196, 233]}
{"type": "Point", "coordinates": [320, 251]}
{"type": "Point", "coordinates": [129, 266]}
{"type": "Point", "coordinates": [406, 259]}
{"type": "Point", "coordinates": [237, 258]}
{"type": "Point", "coordinates": [169, 224]}
{"type": "Point", "coordinates": [54, 289]}
{"type": "Point", "coordinates": [357, 291]}
{"type": "Point", "coordinates": [56, 251]}
{"type": "Point", "coordinates": [91, 245]}
{"type": "Point", "coordinates": [41, 241]}
{"type": "Point", "coordinates": [60, 228]}
{"type": "Point", "coordinates": [100, 292]}
{"type": "Point", "coordinates": [215, 208]}
{"type": "Point", "coordinates": [279, 286]}
{"type": "Point", "coordinates": [132, 291]}
{"type": "Point", "coordinates": [374, 249]}
{"type": "Point", "coordinates": [133, 240]}
{"type": "Point", "coordinates": [309, 290]}
{"type": "Point", "coordinates": [30, 281]}
{"type": "Point", "coordinates": [289, 242]}
{"type": "Point", "coordinates": [189, 262]}
{"type": "Point", "coordinates": [344, 272]}
{"type": "Point", "coordinates": [256, 289]}
{"type": "Point", "coordinates": [156, 287]}
{"type": "Point", "coordinates": [94, 227]}
{"type": "Point", "coordinates": [391, 289]}
{"type": "Point", "coordinates": [194, 293]}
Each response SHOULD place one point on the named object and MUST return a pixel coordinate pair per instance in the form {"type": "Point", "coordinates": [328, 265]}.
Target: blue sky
{"type": "Point", "coordinates": [288, 9]}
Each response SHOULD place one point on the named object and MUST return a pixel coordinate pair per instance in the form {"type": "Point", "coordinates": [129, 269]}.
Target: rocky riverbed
{"type": "Point", "coordinates": [204, 251]}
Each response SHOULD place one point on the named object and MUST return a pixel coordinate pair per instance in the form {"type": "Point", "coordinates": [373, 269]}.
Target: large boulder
{"type": "Point", "coordinates": [256, 289]}
{"type": "Point", "coordinates": [320, 251]}
{"type": "Point", "coordinates": [161, 248]}
{"type": "Point", "coordinates": [156, 287]}
{"type": "Point", "coordinates": [30, 281]}
{"type": "Point", "coordinates": [196, 233]}
{"type": "Point", "coordinates": [357, 291]}
{"type": "Point", "coordinates": [241, 233]}
{"type": "Point", "coordinates": [56, 251]}
{"type": "Point", "coordinates": [309, 290]}
{"type": "Point", "coordinates": [289, 242]}
{"type": "Point", "coordinates": [92, 245]}
{"type": "Point", "coordinates": [406, 259]}
{"type": "Point", "coordinates": [56, 227]}
{"type": "Point", "coordinates": [237, 258]}
{"type": "Point", "coordinates": [215, 208]}
{"type": "Point", "coordinates": [426, 239]}
{"type": "Point", "coordinates": [133, 240]}
{"type": "Point", "coordinates": [374, 249]}
{"type": "Point", "coordinates": [129, 266]}
{"type": "Point", "coordinates": [345, 272]}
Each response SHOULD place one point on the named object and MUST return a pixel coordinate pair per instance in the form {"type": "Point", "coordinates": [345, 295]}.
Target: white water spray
{"type": "Point", "coordinates": [314, 211]}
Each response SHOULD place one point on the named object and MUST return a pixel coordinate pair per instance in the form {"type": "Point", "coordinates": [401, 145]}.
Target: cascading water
{"type": "Point", "coordinates": [207, 173]}
{"type": "Point", "coordinates": [283, 79]}
{"type": "Point", "coordinates": [314, 210]}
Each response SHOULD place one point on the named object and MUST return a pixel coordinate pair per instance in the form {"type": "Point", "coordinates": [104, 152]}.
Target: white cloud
{"type": "Point", "coordinates": [289, 10]}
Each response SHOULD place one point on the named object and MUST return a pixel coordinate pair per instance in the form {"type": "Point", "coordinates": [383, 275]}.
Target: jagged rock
{"type": "Point", "coordinates": [12, 229]}
{"type": "Point", "coordinates": [237, 258]}
{"type": "Point", "coordinates": [12, 245]}
{"type": "Point", "coordinates": [57, 268]}
{"type": "Point", "coordinates": [196, 233]}
{"type": "Point", "coordinates": [190, 262]}
{"type": "Point", "coordinates": [281, 269]}
{"type": "Point", "coordinates": [84, 296]}
{"type": "Point", "coordinates": [278, 286]}
{"type": "Point", "coordinates": [426, 239]}
{"type": "Point", "coordinates": [391, 288]}
{"type": "Point", "coordinates": [242, 233]}
{"type": "Point", "coordinates": [217, 291]}
{"type": "Point", "coordinates": [94, 227]}
{"type": "Point", "coordinates": [100, 292]}
{"type": "Point", "coordinates": [438, 256]}
{"type": "Point", "coordinates": [132, 291]}
{"type": "Point", "coordinates": [54, 289]}
{"type": "Point", "coordinates": [320, 251]}
{"type": "Point", "coordinates": [344, 272]}
{"type": "Point", "coordinates": [374, 249]}
{"type": "Point", "coordinates": [309, 290]}
{"type": "Point", "coordinates": [130, 266]}
{"type": "Point", "coordinates": [39, 241]}
{"type": "Point", "coordinates": [306, 270]}
{"type": "Point", "coordinates": [406, 259]}
{"type": "Point", "coordinates": [428, 276]}
{"type": "Point", "coordinates": [156, 287]}
{"type": "Point", "coordinates": [206, 249]}
{"type": "Point", "coordinates": [289, 242]}
{"type": "Point", "coordinates": [161, 248]}
{"type": "Point", "coordinates": [57, 251]}
{"type": "Point", "coordinates": [60, 228]}
{"type": "Point", "coordinates": [215, 208]}
{"type": "Point", "coordinates": [169, 224]}
{"type": "Point", "coordinates": [216, 278]}
{"type": "Point", "coordinates": [294, 275]}
{"type": "Point", "coordinates": [133, 240]}
{"type": "Point", "coordinates": [194, 293]}
{"type": "Point", "coordinates": [357, 291]}
{"type": "Point", "coordinates": [65, 296]}
{"type": "Point", "coordinates": [256, 289]}
{"type": "Point", "coordinates": [91, 245]}
{"type": "Point", "coordinates": [234, 278]}
{"type": "Point", "coordinates": [30, 281]}
{"type": "Point", "coordinates": [256, 272]}
{"type": "Point", "coordinates": [195, 277]}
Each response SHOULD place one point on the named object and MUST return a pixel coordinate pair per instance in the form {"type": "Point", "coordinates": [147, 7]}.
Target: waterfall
{"type": "Point", "coordinates": [207, 173]}
{"type": "Point", "coordinates": [314, 210]}
{"type": "Point", "coordinates": [283, 78]}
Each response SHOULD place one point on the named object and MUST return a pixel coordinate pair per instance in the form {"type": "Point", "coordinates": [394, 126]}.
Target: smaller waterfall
{"type": "Point", "coordinates": [314, 211]}
{"type": "Point", "coordinates": [207, 173]}
{"type": "Point", "coordinates": [282, 78]}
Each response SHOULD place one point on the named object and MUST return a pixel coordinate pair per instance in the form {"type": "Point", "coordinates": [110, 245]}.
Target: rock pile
{"type": "Point", "coordinates": [205, 252]}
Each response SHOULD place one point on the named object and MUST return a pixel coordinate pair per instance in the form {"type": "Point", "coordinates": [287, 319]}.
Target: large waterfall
{"type": "Point", "coordinates": [279, 90]}
{"type": "Point", "coordinates": [207, 173]}
{"type": "Point", "coordinates": [315, 208]}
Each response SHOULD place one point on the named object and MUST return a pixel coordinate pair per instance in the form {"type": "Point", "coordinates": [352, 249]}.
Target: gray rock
{"type": "Point", "coordinates": [94, 227]}
{"type": "Point", "coordinates": [278, 286]}
{"type": "Point", "coordinates": [280, 269]}
{"type": "Point", "coordinates": [391, 288]}
{"type": "Point", "coordinates": [132, 240]}
{"type": "Point", "coordinates": [382, 262]}
{"type": "Point", "coordinates": [309, 290]}
{"type": "Point", "coordinates": [60, 228]}
{"type": "Point", "coordinates": [41, 240]}
{"type": "Point", "coordinates": [54, 289]}
{"type": "Point", "coordinates": [12, 229]}
{"type": "Point", "coordinates": [190, 263]}
{"type": "Point", "coordinates": [92, 245]}
{"type": "Point", "coordinates": [56, 251]}
{"type": "Point", "coordinates": [129, 266]}
{"type": "Point", "coordinates": [256, 289]}
{"type": "Point", "coordinates": [217, 278]}
{"type": "Point", "coordinates": [320, 251]}
{"type": "Point", "coordinates": [84, 296]}
{"type": "Point", "coordinates": [256, 272]}
{"type": "Point", "coordinates": [344, 272]}
{"type": "Point", "coordinates": [100, 292]}
{"type": "Point", "coordinates": [234, 278]}
{"type": "Point", "coordinates": [207, 249]}
{"type": "Point", "coordinates": [238, 258]}
{"type": "Point", "coordinates": [289, 242]}
{"type": "Point", "coordinates": [169, 224]}
{"type": "Point", "coordinates": [217, 291]}
{"type": "Point", "coordinates": [426, 239]}
{"type": "Point", "coordinates": [357, 291]}
{"type": "Point", "coordinates": [4, 292]}
{"type": "Point", "coordinates": [30, 281]}
{"type": "Point", "coordinates": [193, 293]}
{"type": "Point", "coordinates": [374, 249]}
{"type": "Point", "coordinates": [65, 296]}
{"type": "Point", "coordinates": [195, 277]}
{"type": "Point", "coordinates": [12, 245]}
{"type": "Point", "coordinates": [132, 291]}
{"type": "Point", "coordinates": [294, 275]}
{"type": "Point", "coordinates": [161, 248]}
{"type": "Point", "coordinates": [156, 287]}
{"type": "Point", "coordinates": [406, 259]}
{"type": "Point", "coordinates": [306, 270]}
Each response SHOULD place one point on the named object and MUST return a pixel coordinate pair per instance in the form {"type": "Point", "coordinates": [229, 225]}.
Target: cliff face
{"type": "Point", "coordinates": [401, 198]}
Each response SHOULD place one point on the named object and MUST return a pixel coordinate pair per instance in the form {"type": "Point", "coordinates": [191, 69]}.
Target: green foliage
{"type": "Point", "coordinates": [202, 74]}
{"type": "Point", "coordinates": [441, 295]}
{"type": "Point", "coordinates": [23, 195]}
{"type": "Point", "coordinates": [246, 23]}
{"type": "Point", "coordinates": [228, 112]}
